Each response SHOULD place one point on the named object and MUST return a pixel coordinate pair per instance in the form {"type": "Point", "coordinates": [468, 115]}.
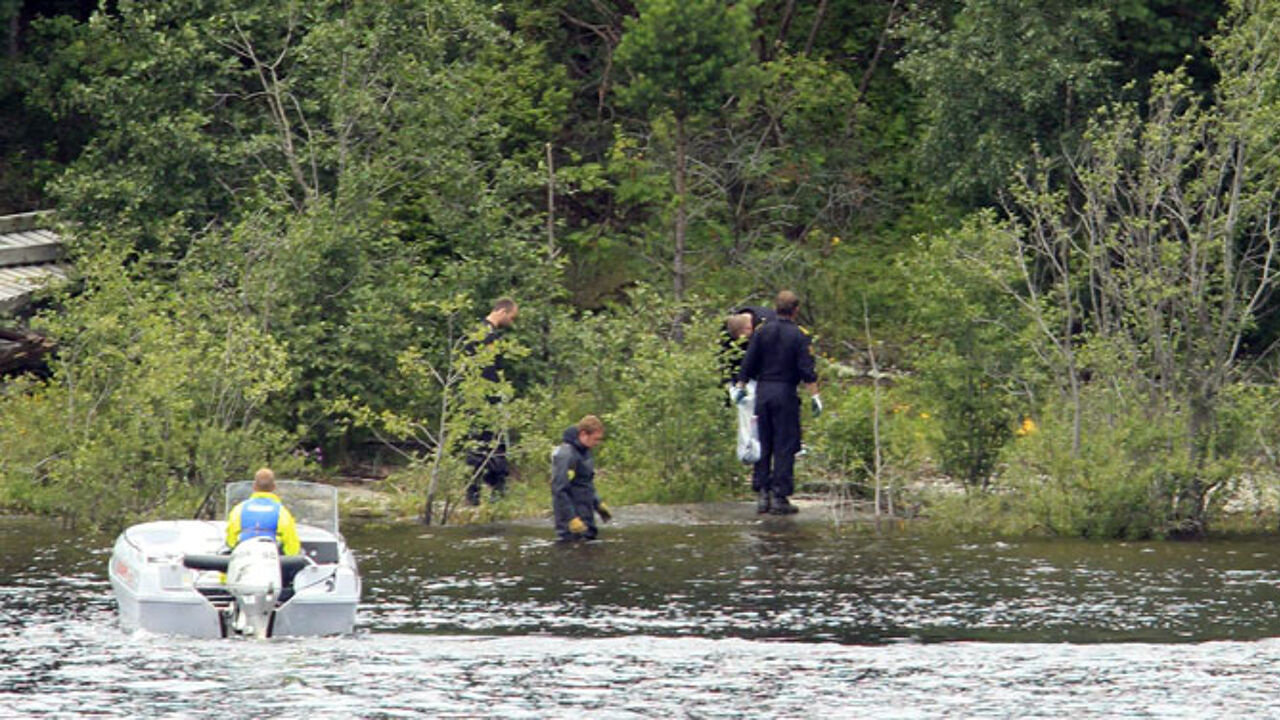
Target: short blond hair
{"type": "Point", "coordinates": [590, 424]}
{"type": "Point", "coordinates": [264, 480]}
{"type": "Point", "coordinates": [740, 324]}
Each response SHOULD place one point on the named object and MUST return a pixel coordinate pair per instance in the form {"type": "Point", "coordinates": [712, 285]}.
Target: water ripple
{"type": "Point", "coordinates": [710, 622]}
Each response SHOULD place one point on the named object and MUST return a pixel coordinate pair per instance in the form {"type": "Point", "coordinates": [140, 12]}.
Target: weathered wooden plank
{"type": "Point", "coordinates": [27, 238]}
{"type": "Point", "coordinates": [18, 283]}
{"type": "Point", "coordinates": [29, 254]}
{"type": "Point", "coordinates": [25, 221]}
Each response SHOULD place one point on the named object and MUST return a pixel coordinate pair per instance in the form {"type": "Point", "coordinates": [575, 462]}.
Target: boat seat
{"type": "Point", "coordinates": [206, 562]}
{"type": "Point", "coordinates": [289, 564]}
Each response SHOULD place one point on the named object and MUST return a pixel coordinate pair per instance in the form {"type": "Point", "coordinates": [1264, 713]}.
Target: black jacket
{"type": "Point", "coordinates": [573, 487]}
{"type": "Point", "coordinates": [732, 349]}
{"type": "Point", "coordinates": [492, 334]}
{"type": "Point", "coordinates": [779, 352]}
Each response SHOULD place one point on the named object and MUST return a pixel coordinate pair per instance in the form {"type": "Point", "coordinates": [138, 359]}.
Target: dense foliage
{"type": "Point", "coordinates": [1035, 241]}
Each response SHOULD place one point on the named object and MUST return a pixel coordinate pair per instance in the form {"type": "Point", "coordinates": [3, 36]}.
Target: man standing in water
{"type": "Point", "coordinates": [264, 515]}
{"type": "Point", "coordinates": [488, 453]}
{"type": "Point", "coordinates": [778, 359]}
{"type": "Point", "coordinates": [574, 501]}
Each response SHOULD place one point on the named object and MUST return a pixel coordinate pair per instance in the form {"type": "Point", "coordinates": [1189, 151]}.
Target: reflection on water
{"type": "Point", "coordinates": [773, 618]}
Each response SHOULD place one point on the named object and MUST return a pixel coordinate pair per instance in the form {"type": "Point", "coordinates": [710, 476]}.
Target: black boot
{"type": "Point", "coordinates": [782, 506]}
{"type": "Point", "coordinates": [762, 501]}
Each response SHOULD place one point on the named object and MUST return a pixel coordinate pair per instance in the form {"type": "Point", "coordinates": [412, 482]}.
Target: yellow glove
{"type": "Point", "coordinates": [604, 512]}
{"type": "Point", "coordinates": [577, 527]}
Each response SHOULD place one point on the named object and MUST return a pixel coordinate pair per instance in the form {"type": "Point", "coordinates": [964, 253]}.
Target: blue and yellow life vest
{"type": "Point", "coordinates": [259, 517]}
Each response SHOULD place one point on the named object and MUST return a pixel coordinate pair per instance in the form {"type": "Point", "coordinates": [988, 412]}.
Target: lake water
{"type": "Point", "coordinates": [713, 615]}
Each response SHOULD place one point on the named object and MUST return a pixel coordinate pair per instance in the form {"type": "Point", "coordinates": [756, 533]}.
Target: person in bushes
{"type": "Point", "coordinates": [487, 454]}
{"type": "Point", "coordinates": [779, 358]}
{"type": "Point", "coordinates": [574, 502]}
{"type": "Point", "coordinates": [734, 337]}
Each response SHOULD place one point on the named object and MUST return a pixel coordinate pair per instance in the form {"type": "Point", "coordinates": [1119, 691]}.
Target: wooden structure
{"type": "Point", "coordinates": [29, 259]}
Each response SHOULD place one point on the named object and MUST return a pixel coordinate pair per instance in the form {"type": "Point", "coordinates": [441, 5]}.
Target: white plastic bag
{"type": "Point", "coordinates": [748, 434]}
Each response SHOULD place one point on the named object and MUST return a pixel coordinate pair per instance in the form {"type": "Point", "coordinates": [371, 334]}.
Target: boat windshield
{"type": "Point", "coordinates": [311, 503]}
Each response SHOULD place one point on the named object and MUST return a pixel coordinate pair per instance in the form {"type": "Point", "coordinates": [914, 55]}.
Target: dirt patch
{"type": "Point", "coordinates": [364, 502]}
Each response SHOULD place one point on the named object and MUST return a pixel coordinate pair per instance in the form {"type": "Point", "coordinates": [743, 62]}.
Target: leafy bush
{"type": "Point", "coordinates": [1132, 478]}
{"type": "Point", "coordinates": [669, 435]}
{"type": "Point", "coordinates": [843, 437]}
{"type": "Point", "coordinates": [153, 404]}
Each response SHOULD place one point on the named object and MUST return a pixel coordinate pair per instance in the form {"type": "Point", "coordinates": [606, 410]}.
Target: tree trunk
{"type": "Point", "coordinates": [682, 219]}
{"type": "Point", "coordinates": [818, 17]}
{"type": "Point", "coordinates": [877, 461]}
{"type": "Point", "coordinates": [1068, 349]}
{"type": "Point", "coordinates": [14, 30]}
{"type": "Point", "coordinates": [437, 462]}
{"type": "Point", "coordinates": [551, 205]}
{"type": "Point", "coordinates": [784, 24]}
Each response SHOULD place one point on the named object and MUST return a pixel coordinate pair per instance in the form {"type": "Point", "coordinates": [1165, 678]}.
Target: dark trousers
{"type": "Point", "coordinates": [778, 420]}
{"type": "Point", "coordinates": [488, 461]}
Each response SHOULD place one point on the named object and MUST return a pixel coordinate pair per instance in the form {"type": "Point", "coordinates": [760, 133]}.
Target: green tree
{"type": "Point", "coordinates": [156, 400]}
{"type": "Point", "coordinates": [999, 76]}
{"type": "Point", "coordinates": [971, 351]}
{"type": "Point", "coordinates": [1151, 272]}
{"type": "Point", "coordinates": [338, 164]}
{"type": "Point", "coordinates": [685, 59]}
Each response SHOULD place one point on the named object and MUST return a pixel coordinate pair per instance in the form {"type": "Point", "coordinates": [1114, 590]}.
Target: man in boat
{"type": "Point", "coordinates": [574, 501]}
{"type": "Point", "coordinates": [264, 515]}
{"type": "Point", "coordinates": [487, 455]}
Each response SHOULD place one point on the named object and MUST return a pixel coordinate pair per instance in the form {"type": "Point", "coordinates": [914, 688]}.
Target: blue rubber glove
{"type": "Point", "coordinates": [816, 403]}
{"type": "Point", "coordinates": [739, 395]}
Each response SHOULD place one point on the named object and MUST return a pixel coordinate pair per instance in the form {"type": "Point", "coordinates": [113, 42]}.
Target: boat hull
{"type": "Point", "coordinates": [155, 592]}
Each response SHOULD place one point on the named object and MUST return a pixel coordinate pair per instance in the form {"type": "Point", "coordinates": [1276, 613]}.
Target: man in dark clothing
{"type": "Point", "coordinates": [488, 453]}
{"type": "Point", "coordinates": [574, 501]}
{"type": "Point", "coordinates": [778, 359]}
{"type": "Point", "coordinates": [734, 337]}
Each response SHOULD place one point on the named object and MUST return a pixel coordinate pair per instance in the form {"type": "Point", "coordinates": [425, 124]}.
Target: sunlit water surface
{"type": "Point", "coordinates": [740, 618]}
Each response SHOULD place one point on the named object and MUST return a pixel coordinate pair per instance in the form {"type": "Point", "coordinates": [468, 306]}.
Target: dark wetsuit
{"type": "Point", "coordinates": [487, 455]}
{"type": "Point", "coordinates": [778, 359]}
{"type": "Point", "coordinates": [573, 487]}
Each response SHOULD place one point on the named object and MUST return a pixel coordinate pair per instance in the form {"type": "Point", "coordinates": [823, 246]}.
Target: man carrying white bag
{"type": "Point", "coordinates": [748, 433]}
{"type": "Point", "coordinates": [735, 336]}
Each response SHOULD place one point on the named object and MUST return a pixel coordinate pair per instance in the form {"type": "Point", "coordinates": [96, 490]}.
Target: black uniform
{"type": "Point", "coordinates": [732, 349]}
{"type": "Point", "coordinates": [573, 487]}
{"type": "Point", "coordinates": [487, 455]}
{"type": "Point", "coordinates": [778, 359]}
{"type": "Point", "coordinates": [491, 371]}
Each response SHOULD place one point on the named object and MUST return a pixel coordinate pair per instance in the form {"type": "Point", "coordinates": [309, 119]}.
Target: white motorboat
{"type": "Point", "coordinates": [178, 577]}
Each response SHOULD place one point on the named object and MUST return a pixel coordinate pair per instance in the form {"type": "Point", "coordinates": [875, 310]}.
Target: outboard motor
{"type": "Point", "coordinates": [253, 579]}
